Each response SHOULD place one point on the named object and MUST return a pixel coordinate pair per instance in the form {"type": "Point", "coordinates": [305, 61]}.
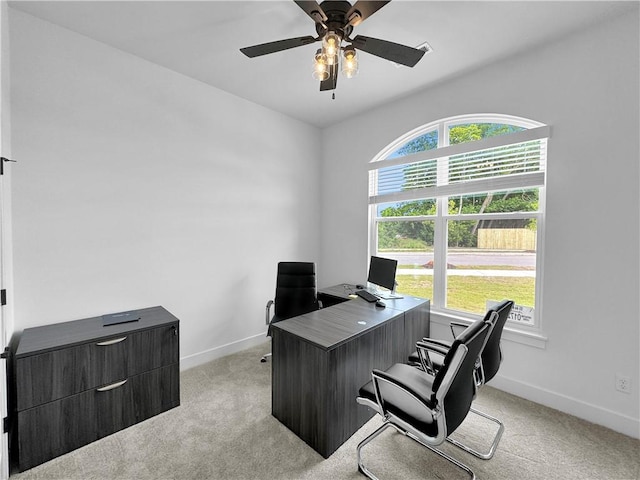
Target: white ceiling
{"type": "Point", "coordinates": [201, 39]}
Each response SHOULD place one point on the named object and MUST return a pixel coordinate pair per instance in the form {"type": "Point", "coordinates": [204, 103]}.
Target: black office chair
{"type": "Point", "coordinates": [486, 369]}
{"type": "Point", "coordinates": [296, 293]}
{"type": "Point", "coordinates": [422, 406]}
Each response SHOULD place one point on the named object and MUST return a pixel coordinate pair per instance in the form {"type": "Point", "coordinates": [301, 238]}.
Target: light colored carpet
{"type": "Point", "coordinates": [224, 430]}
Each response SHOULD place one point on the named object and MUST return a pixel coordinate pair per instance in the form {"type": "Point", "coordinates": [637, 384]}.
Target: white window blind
{"type": "Point", "coordinates": [515, 160]}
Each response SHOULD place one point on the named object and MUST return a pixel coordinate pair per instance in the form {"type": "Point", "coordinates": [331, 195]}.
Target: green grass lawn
{"type": "Point", "coordinates": [469, 294]}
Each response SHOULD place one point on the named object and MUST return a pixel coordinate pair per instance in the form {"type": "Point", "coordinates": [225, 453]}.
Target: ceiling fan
{"type": "Point", "coordinates": [334, 22]}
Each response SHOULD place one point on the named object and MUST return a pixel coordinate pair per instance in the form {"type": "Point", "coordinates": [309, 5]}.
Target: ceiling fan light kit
{"type": "Point", "coordinates": [320, 66]}
{"type": "Point", "coordinates": [331, 46]}
{"type": "Point", "coordinates": [350, 62]}
{"type": "Point", "coordinates": [334, 22]}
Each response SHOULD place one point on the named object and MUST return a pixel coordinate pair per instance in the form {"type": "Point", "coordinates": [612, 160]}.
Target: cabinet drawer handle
{"type": "Point", "coordinates": [111, 342]}
{"type": "Point", "coordinates": [112, 386]}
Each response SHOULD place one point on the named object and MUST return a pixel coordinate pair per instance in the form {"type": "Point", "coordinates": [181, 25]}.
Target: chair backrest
{"type": "Point", "coordinates": [454, 384]}
{"type": "Point", "coordinates": [492, 354]}
{"type": "Point", "coordinates": [296, 291]}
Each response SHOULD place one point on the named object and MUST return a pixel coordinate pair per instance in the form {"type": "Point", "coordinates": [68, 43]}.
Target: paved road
{"type": "Point", "coordinates": [469, 273]}
{"type": "Point", "coordinates": [460, 259]}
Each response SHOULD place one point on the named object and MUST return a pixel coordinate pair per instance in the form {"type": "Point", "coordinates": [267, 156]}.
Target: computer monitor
{"type": "Point", "coordinates": [382, 272]}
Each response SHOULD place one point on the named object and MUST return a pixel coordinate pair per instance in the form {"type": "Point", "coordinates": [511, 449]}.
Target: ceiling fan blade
{"type": "Point", "coordinates": [312, 9]}
{"type": "Point", "coordinates": [394, 52]}
{"type": "Point", "coordinates": [363, 9]}
{"type": "Point", "coordinates": [331, 82]}
{"type": "Point", "coordinates": [277, 46]}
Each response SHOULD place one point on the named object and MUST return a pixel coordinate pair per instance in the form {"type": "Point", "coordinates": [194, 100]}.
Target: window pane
{"type": "Point", "coordinates": [469, 132]}
{"type": "Point", "coordinates": [407, 209]}
{"type": "Point", "coordinates": [399, 178]}
{"type": "Point", "coordinates": [496, 202]}
{"type": "Point", "coordinates": [420, 175]}
{"type": "Point", "coordinates": [512, 159]}
{"type": "Point", "coordinates": [411, 243]}
{"type": "Point", "coordinates": [426, 141]}
{"type": "Point", "coordinates": [489, 263]}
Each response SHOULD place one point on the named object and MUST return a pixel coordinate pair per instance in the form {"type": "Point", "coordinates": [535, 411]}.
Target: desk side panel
{"type": "Point", "coordinates": [350, 368]}
{"type": "Point", "coordinates": [298, 394]}
{"type": "Point", "coordinates": [416, 327]}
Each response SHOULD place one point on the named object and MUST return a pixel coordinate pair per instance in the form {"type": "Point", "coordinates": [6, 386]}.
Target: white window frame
{"type": "Point", "coordinates": [531, 335]}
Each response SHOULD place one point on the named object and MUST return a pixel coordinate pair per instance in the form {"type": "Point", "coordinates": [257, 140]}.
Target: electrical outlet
{"type": "Point", "coordinates": [623, 383]}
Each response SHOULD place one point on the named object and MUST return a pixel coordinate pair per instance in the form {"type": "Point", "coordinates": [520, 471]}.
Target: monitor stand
{"type": "Point", "coordinates": [382, 293]}
{"type": "Point", "coordinates": [389, 295]}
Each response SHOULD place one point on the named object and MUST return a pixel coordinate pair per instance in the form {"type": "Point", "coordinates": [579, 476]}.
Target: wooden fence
{"type": "Point", "coordinates": [507, 238]}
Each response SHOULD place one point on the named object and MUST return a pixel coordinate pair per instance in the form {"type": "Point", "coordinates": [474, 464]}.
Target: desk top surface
{"type": "Point", "coordinates": [331, 326]}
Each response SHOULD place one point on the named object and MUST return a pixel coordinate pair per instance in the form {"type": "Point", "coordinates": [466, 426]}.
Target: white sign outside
{"type": "Point", "coordinates": [519, 313]}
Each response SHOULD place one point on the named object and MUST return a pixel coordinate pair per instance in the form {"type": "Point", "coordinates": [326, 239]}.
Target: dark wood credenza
{"type": "Point", "coordinates": [76, 382]}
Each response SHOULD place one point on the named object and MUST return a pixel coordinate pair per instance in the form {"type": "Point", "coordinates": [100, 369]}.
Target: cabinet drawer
{"type": "Point", "coordinates": [58, 427]}
{"type": "Point", "coordinates": [141, 397]}
{"type": "Point", "coordinates": [60, 373]}
{"type": "Point", "coordinates": [154, 348]}
{"type": "Point", "coordinates": [55, 428]}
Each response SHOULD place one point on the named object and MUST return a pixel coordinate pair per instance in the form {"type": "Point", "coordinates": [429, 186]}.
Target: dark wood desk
{"type": "Point", "coordinates": [321, 359]}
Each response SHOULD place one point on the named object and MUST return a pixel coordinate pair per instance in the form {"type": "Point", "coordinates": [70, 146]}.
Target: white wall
{"type": "Point", "coordinates": [586, 88]}
{"type": "Point", "coordinates": [137, 186]}
{"type": "Point", "coordinates": [6, 317]}
{"type": "Point", "coordinates": [5, 180]}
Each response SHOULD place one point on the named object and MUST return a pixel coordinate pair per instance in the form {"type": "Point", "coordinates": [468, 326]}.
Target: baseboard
{"type": "Point", "coordinates": [591, 413]}
{"type": "Point", "coordinates": [586, 411]}
{"type": "Point", "coordinates": [200, 358]}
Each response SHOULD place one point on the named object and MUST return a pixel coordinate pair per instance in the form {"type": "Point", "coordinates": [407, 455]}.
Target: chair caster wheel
{"type": "Point", "coordinates": [263, 360]}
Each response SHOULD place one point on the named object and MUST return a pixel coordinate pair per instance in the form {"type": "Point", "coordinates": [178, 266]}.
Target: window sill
{"type": "Point", "coordinates": [531, 338]}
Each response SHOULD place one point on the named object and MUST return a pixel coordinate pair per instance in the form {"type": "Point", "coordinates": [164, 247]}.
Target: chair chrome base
{"type": "Point", "coordinates": [494, 443]}
{"type": "Point", "coordinates": [365, 471]}
{"type": "Point", "coordinates": [466, 448]}
{"type": "Point", "coordinates": [264, 357]}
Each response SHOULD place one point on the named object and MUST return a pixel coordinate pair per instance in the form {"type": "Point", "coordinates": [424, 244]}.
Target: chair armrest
{"type": "Point", "coordinates": [436, 341]}
{"type": "Point", "coordinates": [434, 346]}
{"type": "Point", "coordinates": [268, 312]}
{"type": "Point", "coordinates": [424, 347]}
{"type": "Point", "coordinates": [459, 326]}
{"type": "Point", "coordinates": [423, 398]}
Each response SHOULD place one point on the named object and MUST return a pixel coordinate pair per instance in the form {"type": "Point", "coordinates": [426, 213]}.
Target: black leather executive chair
{"type": "Point", "coordinates": [296, 293]}
{"type": "Point", "coordinates": [423, 406]}
{"type": "Point", "coordinates": [486, 369]}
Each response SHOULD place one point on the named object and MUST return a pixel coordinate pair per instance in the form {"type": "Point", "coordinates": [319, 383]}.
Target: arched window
{"type": "Point", "coordinates": [460, 204]}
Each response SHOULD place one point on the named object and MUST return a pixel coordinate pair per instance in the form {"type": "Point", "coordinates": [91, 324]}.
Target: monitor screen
{"type": "Point", "coordinates": [382, 272]}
